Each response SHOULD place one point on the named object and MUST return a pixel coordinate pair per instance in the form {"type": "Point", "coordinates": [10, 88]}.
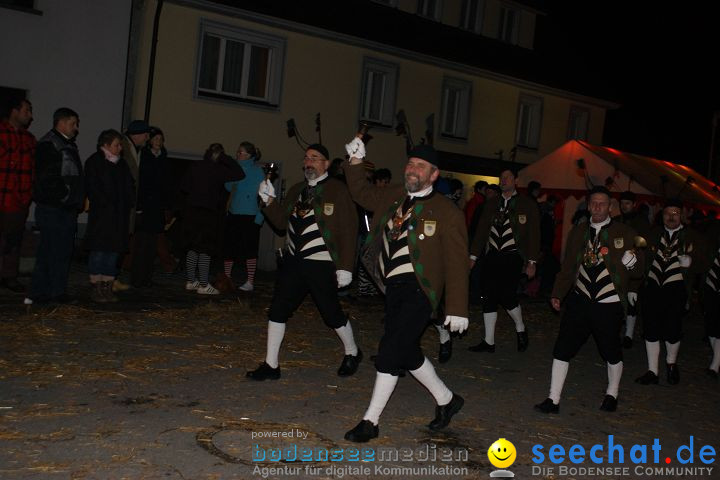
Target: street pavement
{"type": "Point", "coordinates": [154, 387]}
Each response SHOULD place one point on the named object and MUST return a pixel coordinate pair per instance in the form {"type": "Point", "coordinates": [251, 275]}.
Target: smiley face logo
{"type": "Point", "coordinates": [502, 453]}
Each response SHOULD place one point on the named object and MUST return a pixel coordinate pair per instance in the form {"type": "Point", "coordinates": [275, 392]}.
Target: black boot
{"type": "Point", "coordinates": [263, 372]}
{"type": "Point", "coordinates": [609, 404]}
{"type": "Point", "coordinates": [627, 342]}
{"type": "Point", "coordinates": [522, 341]}
{"type": "Point", "coordinates": [673, 374]}
{"type": "Point", "coordinates": [443, 413]}
{"type": "Point", "coordinates": [445, 351]}
{"type": "Point", "coordinates": [363, 431]}
{"type": "Point", "coordinates": [647, 379]}
{"type": "Point", "coordinates": [482, 347]}
{"type": "Point", "coordinates": [547, 406]}
{"type": "Point", "coordinates": [350, 364]}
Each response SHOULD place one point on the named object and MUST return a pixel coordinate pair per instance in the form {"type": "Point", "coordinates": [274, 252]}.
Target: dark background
{"type": "Point", "coordinates": [657, 59]}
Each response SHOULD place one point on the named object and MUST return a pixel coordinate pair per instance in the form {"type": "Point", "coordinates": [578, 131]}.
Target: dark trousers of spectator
{"type": "Point", "coordinates": [12, 228]}
{"type": "Point", "coordinates": [145, 247]}
{"type": "Point", "coordinates": [54, 252]}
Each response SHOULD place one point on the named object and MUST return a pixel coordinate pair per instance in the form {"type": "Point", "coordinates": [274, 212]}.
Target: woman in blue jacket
{"type": "Point", "coordinates": [244, 219]}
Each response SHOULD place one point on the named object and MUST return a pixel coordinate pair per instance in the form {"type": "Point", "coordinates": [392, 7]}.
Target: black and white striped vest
{"type": "Point", "coordinates": [395, 263]}
{"type": "Point", "coordinates": [594, 280]}
{"type": "Point", "coordinates": [304, 238]}
{"type": "Point", "coordinates": [665, 267]}
{"type": "Point", "coordinates": [501, 237]}
{"type": "Point", "coordinates": [713, 276]}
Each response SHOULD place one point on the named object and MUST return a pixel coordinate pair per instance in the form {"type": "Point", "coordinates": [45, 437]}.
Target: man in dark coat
{"type": "Point", "coordinates": [59, 195]}
{"type": "Point", "coordinates": [420, 242]}
{"type": "Point", "coordinates": [321, 223]}
{"type": "Point", "coordinates": [598, 266]}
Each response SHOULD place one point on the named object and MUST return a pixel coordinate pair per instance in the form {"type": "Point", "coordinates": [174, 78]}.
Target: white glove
{"type": "Point", "coordinates": [343, 278]}
{"type": "Point", "coordinates": [266, 190]}
{"type": "Point", "coordinates": [457, 324]}
{"type": "Point", "coordinates": [629, 259]}
{"type": "Point", "coordinates": [685, 260]}
{"type": "Point", "coordinates": [632, 298]}
{"type": "Point", "coordinates": [356, 148]}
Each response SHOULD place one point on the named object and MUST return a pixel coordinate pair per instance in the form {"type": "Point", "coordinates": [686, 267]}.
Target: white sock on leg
{"type": "Point", "coordinates": [715, 364]}
{"type": "Point", "coordinates": [653, 354]}
{"type": "Point", "coordinates": [276, 333]}
{"type": "Point", "coordinates": [614, 374]}
{"type": "Point", "coordinates": [384, 387]}
{"type": "Point", "coordinates": [516, 315]}
{"type": "Point", "coordinates": [557, 380]}
{"type": "Point", "coordinates": [490, 319]}
{"type": "Point", "coordinates": [430, 380]}
{"type": "Point", "coordinates": [630, 325]}
{"type": "Point", "coordinates": [672, 352]}
{"type": "Point", "coordinates": [444, 334]}
{"type": "Point", "coordinates": [346, 335]}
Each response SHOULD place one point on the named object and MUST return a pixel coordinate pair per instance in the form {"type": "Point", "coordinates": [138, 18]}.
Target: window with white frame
{"type": "Point", "coordinates": [529, 121]}
{"type": "Point", "coordinates": [379, 88]}
{"type": "Point", "coordinates": [471, 15]}
{"type": "Point", "coordinates": [578, 123]}
{"type": "Point", "coordinates": [430, 9]}
{"type": "Point", "coordinates": [455, 109]}
{"type": "Point", "coordinates": [509, 24]}
{"type": "Point", "coordinates": [239, 65]}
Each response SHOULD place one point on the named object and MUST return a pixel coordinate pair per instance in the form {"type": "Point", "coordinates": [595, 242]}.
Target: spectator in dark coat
{"type": "Point", "coordinates": [111, 191]}
{"type": "Point", "coordinates": [153, 200]}
{"type": "Point", "coordinates": [204, 213]}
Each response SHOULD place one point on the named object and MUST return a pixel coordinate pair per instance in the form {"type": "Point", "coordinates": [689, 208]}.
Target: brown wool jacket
{"type": "Point", "coordinates": [525, 222]}
{"type": "Point", "coordinates": [617, 238]}
{"type": "Point", "coordinates": [437, 243]}
{"type": "Point", "coordinates": [692, 243]}
{"type": "Point", "coordinates": [335, 214]}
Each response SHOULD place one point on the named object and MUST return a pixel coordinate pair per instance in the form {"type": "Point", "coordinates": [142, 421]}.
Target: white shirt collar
{"type": "Point", "coordinates": [673, 230]}
{"type": "Point", "coordinates": [598, 226]}
{"type": "Point", "coordinates": [422, 193]}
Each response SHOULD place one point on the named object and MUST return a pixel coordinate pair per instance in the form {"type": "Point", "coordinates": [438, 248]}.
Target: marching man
{"type": "Point", "coordinates": [509, 233]}
{"type": "Point", "coordinates": [421, 243]}
{"type": "Point", "coordinates": [664, 298]}
{"type": "Point", "coordinates": [599, 263]}
{"type": "Point", "coordinates": [321, 222]}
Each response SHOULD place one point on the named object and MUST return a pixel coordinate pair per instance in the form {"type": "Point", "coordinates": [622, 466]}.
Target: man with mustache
{"type": "Point", "coordinates": [321, 222]}
{"type": "Point", "coordinates": [420, 243]}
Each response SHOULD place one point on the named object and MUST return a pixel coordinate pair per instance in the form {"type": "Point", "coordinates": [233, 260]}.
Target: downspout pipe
{"type": "Point", "coordinates": [153, 53]}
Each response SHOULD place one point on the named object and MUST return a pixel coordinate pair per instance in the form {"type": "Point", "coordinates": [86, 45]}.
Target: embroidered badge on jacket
{"type": "Point", "coordinates": [429, 227]}
{"type": "Point", "coordinates": [328, 208]}
{"type": "Point", "coordinates": [619, 242]}
{"type": "Point", "coordinates": [522, 219]}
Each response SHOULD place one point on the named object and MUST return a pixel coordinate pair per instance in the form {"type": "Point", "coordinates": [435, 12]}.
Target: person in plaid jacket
{"type": "Point", "coordinates": [17, 167]}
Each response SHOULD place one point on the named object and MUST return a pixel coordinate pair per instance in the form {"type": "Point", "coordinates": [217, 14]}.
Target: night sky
{"type": "Point", "coordinates": [657, 61]}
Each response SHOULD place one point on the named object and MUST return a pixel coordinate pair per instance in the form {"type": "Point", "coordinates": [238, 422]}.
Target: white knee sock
{"type": "Point", "coordinates": [490, 319]}
{"type": "Point", "coordinates": [444, 334]}
{"type": "Point", "coordinates": [672, 352]}
{"type": "Point", "coordinates": [346, 335]}
{"type": "Point", "coordinates": [715, 364]}
{"type": "Point", "coordinates": [384, 386]}
{"type": "Point", "coordinates": [630, 325]}
{"type": "Point", "coordinates": [614, 374]}
{"type": "Point", "coordinates": [559, 372]}
{"type": "Point", "coordinates": [516, 315]}
{"type": "Point", "coordinates": [427, 376]}
{"type": "Point", "coordinates": [276, 333]}
{"type": "Point", "coordinates": [653, 354]}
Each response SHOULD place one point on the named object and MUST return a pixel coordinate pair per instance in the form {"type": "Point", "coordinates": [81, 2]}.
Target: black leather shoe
{"type": "Point", "coordinates": [363, 431]}
{"type": "Point", "coordinates": [547, 406]}
{"type": "Point", "coordinates": [350, 364]}
{"type": "Point", "coordinates": [482, 347]}
{"type": "Point", "coordinates": [647, 379]}
{"type": "Point", "coordinates": [609, 404]}
{"type": "Point", "coordinates": [627, 342]}
{"type": "Point", "coordinates": [711, 373]}
{"type": "Point", "coordinates": [264, 372]}
{"type": "Point", "coordinates": [443, 413]}
{"type": "Point", "coordinates": [445, 352]}
{"type": "Point", "coordinates": [673, 374]}
{"type": "Point", "coordinates": [522, 339]}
